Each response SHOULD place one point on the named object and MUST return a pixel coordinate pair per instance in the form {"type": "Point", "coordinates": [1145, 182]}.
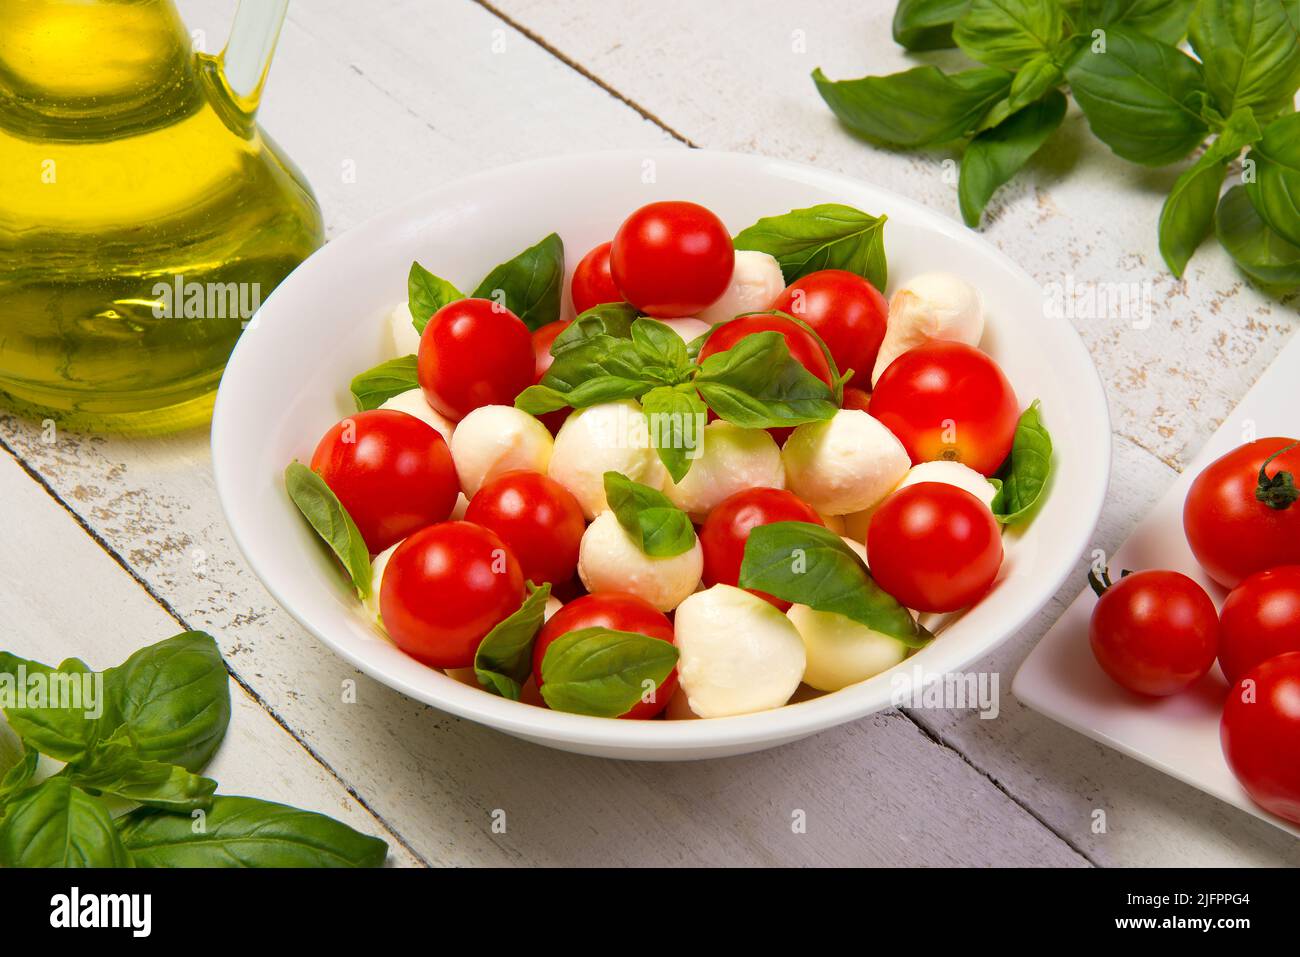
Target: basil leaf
{"type": "Point", "coordinates": [677, 418]}
{"type": "Point", "coordinates": [115, 768]}
{"type": "Point", "coordinates": [590, 358]}
{"type": "Point", "coordinates": [1024, 475]}
{"type": "Point", "coordinates": [926, 24]}
{"type": "Point", "coordinates": [1009, 33]}
{"type": "Point", "coordinates": [919, 107]}
{"type": "Point", "coordinates": [1188, 211]}
{"type": "Point", "coordinates": [658, 345]}
{"type": "Point", "coordinates": [374, 387]}
{"type": "Point", "coordinates": [530, 284]}
{"type": "Point", "coordinates": [1258, 251]}
{"type": "Point", "coordinates": [57, 825]}
{"type": "Point", "coordinates": [1275, 190]}
{"type": "Point", "coordinates": [426, 294]}
{"type": "Point", "coordinates": [18, 775]}
{"type": "Point", "coordinates": [1165, 20]}
{"type": "Point", "coordinates": [659, 528]}
{"type": "Point", "coordinates": [995, 155]}
{"type": "Point", "coordinates": [757, 384]}
{"type": "Point", "coordinates": [1251, 53]}
{"type": "Point", "coordinates": [1140, 96]}
{"type": "Point", "coordinates": [1032, 81]}
{"type": "Point", "coordinates": [63, 714]}
{"type": "Point", "coordinates": [809, 565]}
{"type": "Point", "coordinates": [602, 672]}
{"type": "Point", "coordinates": [246, 832]}
{"type": "Point", "coordinates": [173, 699]}
{"type": "Point", "coordinates": [505, 656]}
{"type": "Point", "coordinates": [828, 236]}
{"type": "Point", "coordinates": [326, 514]}
{"type": "Point", "coordinates": [612, 319]}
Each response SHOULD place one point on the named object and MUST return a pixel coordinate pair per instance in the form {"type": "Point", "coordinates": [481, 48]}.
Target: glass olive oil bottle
{"type": "Point", "coordinates": [143, 214]}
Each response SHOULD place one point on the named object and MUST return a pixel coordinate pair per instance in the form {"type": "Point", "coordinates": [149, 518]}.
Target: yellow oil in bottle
{"type": "Point", "coordinates": [143, 214]}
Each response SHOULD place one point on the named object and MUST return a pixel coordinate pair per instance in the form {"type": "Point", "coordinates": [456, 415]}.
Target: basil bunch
{"type": "Point", "coordinates": [164, 713]}
{"type": "Point", "coordinates": [1145, 98]}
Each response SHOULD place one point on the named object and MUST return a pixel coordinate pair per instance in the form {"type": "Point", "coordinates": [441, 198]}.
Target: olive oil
{"type": "Point", "coordinates": [143, 214]}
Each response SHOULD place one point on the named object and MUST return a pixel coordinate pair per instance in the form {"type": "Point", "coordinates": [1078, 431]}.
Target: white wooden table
{"type": "Point", "coordinates": [114, 543]}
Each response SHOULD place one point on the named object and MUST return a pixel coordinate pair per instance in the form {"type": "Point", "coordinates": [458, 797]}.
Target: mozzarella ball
{"type": "Point", "coordinates": [414, 403]}
{"type": "Point", "coordinates": [934, 305]}
{"type": "Point", "coordinates": [843, 464]}
{"type": "Point", "coordinates": [498, 438]}
{"type": "Point", "coordinates": [610, 437]}
{"type": "Point", "coordinates": [840, 650]}
{"type": "Point", "coordinates": [378, 565]}
{"type": "Point", "coordinates": [730, 460]}
{"type": "Point", "coordinates": [610, 560]}
{"type": "Point", "coordinates": [834, 523]}
{"type": "Point", "coordinates": [401, 331]}
{"type": "Point", "coordinates": [949, 473]}
{"type": "Point", "coordinates": [756, 281]}
{"type": "Point", "coordinates": [738, 654]}
{"type": "Point", "coordinates": [689, 329]}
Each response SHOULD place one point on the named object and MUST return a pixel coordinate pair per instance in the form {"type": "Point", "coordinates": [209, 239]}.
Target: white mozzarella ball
{"type": "Point", "coordinates": [949, 473]}
{"type": "Point", "coordinates": [609, 560]}
{"type": "Point", "coordinates": [843, 464]}
{"type": "Point", "coordinates": [834, 523]}
{"type": "Point", "coordinates": [858, 548]}
{"type": "Point", "coordinates": [401, 331]}
{"type": "Point", "coordinates": [840, 650]}
{"type": "Point", "coordinates": [498, 438]}
{"type": "Point", "coordinates": [689, 329]}
{"type": "Point", "coordinates": [756, 281]}
{"type": "Point", "coordinates": [378, 565]}
{"type": "Point", "coordinates": [610, 437]}
{"type": "Point", "coordinates": [414, 403]}
{"type": "Point", "coordinates": [934, 305]}
{"type": "Point", "coordinates": [458, 510]}
{"type": "Point", "coordinates": [553, 605]}
{"type": "Point", "coordinates": [738, 653]}
{"type": "Point", "coordinates": [730, 459]}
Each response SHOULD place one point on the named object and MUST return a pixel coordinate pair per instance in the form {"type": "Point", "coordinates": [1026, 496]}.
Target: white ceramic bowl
{"type": "Point", "coordinates": [287, 382]}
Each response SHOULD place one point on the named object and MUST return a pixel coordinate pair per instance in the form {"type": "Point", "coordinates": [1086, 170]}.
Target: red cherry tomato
{"type": "Point", "coordinates": [391, 471]}
{"type": "Point", "coordinates": [1260, 734]}
{"type": "Point", "coordinates": [948, 400]}
{"type": "Point", "coordinates": [542, 339]}
{"type": "Point", "coordinates": [1232, 530]}
{"type": "Point", "coordinates": [846, 311]}
{"type": "Point", "coordinates": [934, 547]}
{"type": "Point", "coordinates": [855, 398]}
{"type": "Point", "coordinates": [672, 259]}
{"type": "Point", "coordinates": [474, 353]}
{"type": "Point", "coordinates": [1260, 619]}
{"type": "Point", "coordinates": [620, 612]}
{"type": "Point", "coordinates": [593, 283]}
{"type": "Point", "coordinates": [727, 528]}
{"type": "Point", "coordinates": [445, 588]}
{"type": "Point", "coordinates": [539, 520]}
{"type": "Point", "coordinates": [1154, 632]}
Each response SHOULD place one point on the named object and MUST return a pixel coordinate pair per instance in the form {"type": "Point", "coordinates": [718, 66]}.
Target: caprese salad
{"type": "Point", "coordinates": [736, 476]}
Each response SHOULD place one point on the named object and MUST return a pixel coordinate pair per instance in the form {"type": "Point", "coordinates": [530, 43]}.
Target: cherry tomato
{"type": "Point", "coordinates": [1260, 734]}
{"type": "Point", "coordinates": [539, 520]}
{"type": "Point", "coordinates": [391, 471]}
{"type": "Point", "coordinates": [1241, 515]}
{"type": "Point", "coordinates": [672, 259]}
{"type": "Point", "coordinates": [542, 339]}
{"type": "Point", "coordinates": [445, 588]}
{"type": "Point", "coordinates": [620, 612]}
{"type": "Point", "coordinates": [803, 346]}
{"type": "Point", "coordinates": [948, 400]}
{"type": "Point", "coordinates": [934, 547]}
{"type": "Point", "coordinates": [846, 311]}
{"type": "Point", "coordinates": [1155, 633]}
{"type": "Point", "coordinates": [855, 398]}
{"type": "Point", "coordinates": [593, 284]}
{"type": "Point", "coordinates": [474, 353]}
{"type": "Point", "coordinates": [727, 528]}
{"type": "Point", "coordinates": [1260, 619]}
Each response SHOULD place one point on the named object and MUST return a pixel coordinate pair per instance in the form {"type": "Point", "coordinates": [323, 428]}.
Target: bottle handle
{"type": "Point", "coordinates": [247, 57]}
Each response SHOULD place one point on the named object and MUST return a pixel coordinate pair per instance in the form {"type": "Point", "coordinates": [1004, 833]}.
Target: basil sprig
{"type": "Point", "coordinates": [1258, 251]}
{"type": "Point", "coordinates": [829, 236]}
{"type": "Point", "coordinates": [505, 655]}
{"type": "Point", "coordinates": [757, 384]}
{"type": "Point", "coordinates": [331, 521]}
{"type": "Point", "coordinates": [426, 294]}
{"type": "Point", "coordinates": [998, 153]}
{"type": "Point", "coordinates": [809, 565]}
{"type": "Point", "coordinates": [1275, 189]}
{"type": "Point", "coordinates": [374, 387]}
{"type": "Point", "coordinates": [602, 672]}
{"type": "Point", "coordinates": [1023, 478]}
{"type": "Point", "coordinates": [659, 528]}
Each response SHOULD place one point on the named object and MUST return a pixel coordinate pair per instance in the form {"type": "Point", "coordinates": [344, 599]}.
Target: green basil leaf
{"type": "Point", "coordinates": [1165, 20]}
{"type": "Point", "coordinates": [18, 776]}
{"type": "Point", "coordinates": [590, 358]}
{"type": "Point", "coordinates": [1009, 33]}
{"type": "Point", "coordinates": [1033, 81]}
{"type": "Point", "coordinates": [62, 712]}
{"type": "Point", "coordinates": [246, 832]}
{"type": "Point", "coordinates": [659, 346]}
{"type": "Point", "coordinates": [829, 236]}
{"type": "Point", "coordinates": [115, 768]}
{"type": "Point", "coordinates": [922, 106]}
{"type": "Point", "coordinates": [996, 155]}
{"type": "Point", "coordinates": [326, 514]}
{"type": "Point", "coordinates": [173, 700]}
{"type": "Point", "coordinates": [426, 294]}
{"type": "Point", "coordinates": [1141, 96]}
{"type": "Point", "coordinates": [757, 384]}
{"type": "Point", "coordinates": [613, 319]}
{"type": "Point", "coordinates": [1188, 211]}
{"type": "Point", "coordinates": [540, 399]}
{"type": "Point", "coordinates": [677, 417]}
{"type": "Point", "coordinates": [809, 565]}
{"type": "Point", "coordinates": [602, 672]}
{"type": "Point", "coordinates": [1258, 251]}
{"type": "Point", "coordinates": [374, 387]}
{"type": "Point", "coordinates": [659, 528]}
{"type": "Point", "coordinates": [1024, 476]}
{"type": "Point", "coordinates": [530, 284]}
{"type": "Point", "coordinates": [1275, 189]}
{"type": "Point", "coordinates": [57, 825]}
{"type": "Point", "coordinates": [1251, 53]}
{"type": "Point", "coordinates": [505, 655]}
{"type": "Point", "coordinates": [926, 24]}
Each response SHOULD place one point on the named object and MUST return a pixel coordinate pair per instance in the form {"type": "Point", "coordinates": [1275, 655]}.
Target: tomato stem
{"type": "Point", "coordinates": [1099, 581]}
{"type": "Point", "coordinates": [1279, 491]}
